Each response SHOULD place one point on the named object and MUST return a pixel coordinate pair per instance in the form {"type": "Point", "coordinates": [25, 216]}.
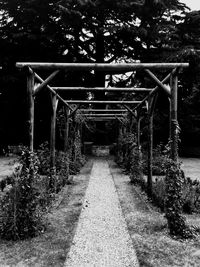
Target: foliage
{"type": "Point", "coordinates": [190, 195]}
{"type": "Point", "coordinates": [44, 158]}
{"type": "Point", "coordinates": [173, 209]}
{"type": "Point", "coordinates": [67, 163]}
{"type": "Point", "coordinates": [158, 161]}
{"type": "Point", "coordinates": [20, 214]}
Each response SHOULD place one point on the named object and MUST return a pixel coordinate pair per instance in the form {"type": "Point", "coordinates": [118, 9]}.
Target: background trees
{"type": "Point", "coordinates": [97, 31]}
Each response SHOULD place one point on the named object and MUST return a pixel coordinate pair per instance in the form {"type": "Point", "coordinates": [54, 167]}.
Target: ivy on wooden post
{"type": "Point", "coordinates": [174, 178]}
{"type": "Point", "coordinates": [30, 92]}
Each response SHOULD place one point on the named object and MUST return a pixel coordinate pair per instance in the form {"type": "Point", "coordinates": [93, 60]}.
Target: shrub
{"type": "Point", "coordinates": [159, 193]}
{"type": "Point", "coordinates": [191, 196]}
{"type": "Point", "coordinates": [136, 174]}
{"type": "Point", "coordinates": [158, 161]}
{"type": "Point", "coordinates": [43, 154]}
{"type": "Point", "coordinates": [20, 214]}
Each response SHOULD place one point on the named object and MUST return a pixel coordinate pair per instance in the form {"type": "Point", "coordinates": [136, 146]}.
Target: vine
{"type": "Point", "coordinates": [173, 203]}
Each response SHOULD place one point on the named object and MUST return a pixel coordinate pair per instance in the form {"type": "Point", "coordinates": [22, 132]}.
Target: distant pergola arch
{"type": "Point", "coordinates": [133, 107]}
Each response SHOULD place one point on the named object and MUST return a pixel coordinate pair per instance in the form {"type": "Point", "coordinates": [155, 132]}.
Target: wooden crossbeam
{"type": "Point", "coordinates": [103, 110]}
{"type": "Point", "coordinates": [101, 66]}
{"type": "Point", "coordinates": [129, 109]}
{"type": "Point", "coordinates": [102, 118]}
{"type": "Point", "coordinates": [45, 82]}
{"type": "Point", "coordinates": [154, 90]}
{"type": "Point", "coordinates": [104, 89]}
{"type": "Point", "coordinates": [159, 83]}
{"type": "Point", "coordinates": [73, 111]}
{"type": "Point", "coordinates": [103, 115]}
{"type": "Point", "coordinates": [52, 91]}
{"type": "Point", "coordinates": [102, 102]}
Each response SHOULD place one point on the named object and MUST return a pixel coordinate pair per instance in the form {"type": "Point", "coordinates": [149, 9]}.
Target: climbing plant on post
{"type": "Point", "coordinates": [174, 178]}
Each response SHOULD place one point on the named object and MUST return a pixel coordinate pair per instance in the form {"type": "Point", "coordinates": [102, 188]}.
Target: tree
{"type": "Point", "coordinates": [87, 31]}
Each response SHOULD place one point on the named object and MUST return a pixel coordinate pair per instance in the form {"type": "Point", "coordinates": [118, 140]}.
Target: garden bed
{"type": "Point", "coordinates": [148, 229]}
{"type": "Point", "coordinates": [51, 247]}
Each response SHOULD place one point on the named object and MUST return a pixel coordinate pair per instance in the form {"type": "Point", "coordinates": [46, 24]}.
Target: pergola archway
{"type": "Point", "coordinates": [133, 106]}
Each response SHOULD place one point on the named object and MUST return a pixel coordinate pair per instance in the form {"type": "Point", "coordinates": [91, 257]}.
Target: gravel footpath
{"type": "Point", "coordinates": [102, 238]}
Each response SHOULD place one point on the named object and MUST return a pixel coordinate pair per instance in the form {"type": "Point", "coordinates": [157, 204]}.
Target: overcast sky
{"type": "Point", "coordinates": [193, 4]}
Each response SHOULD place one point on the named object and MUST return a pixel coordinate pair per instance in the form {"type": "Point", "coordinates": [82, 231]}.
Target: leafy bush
{"type": "Point", "coordinates": [136, 174]}
{"type": "Point", "coordinates": [20, 213]}
{"type": "Point", "coordinates": [190, 196]}
{"type": "Point", "coordinates": [44, 158]}
{"type": "Point", "coordinates": [158, 161]}
{"type": "Point", "coordinates": [159, 193]}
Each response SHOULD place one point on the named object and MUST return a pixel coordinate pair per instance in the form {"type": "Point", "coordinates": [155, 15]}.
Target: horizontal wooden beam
{"type": "Point", "coordinates": [104, 89]}
{"type": "Point", "coordinates": [103, 110]}
{"type": "Point", "coordinates": [104, 115]}
{"type": "Point", "coordinates": [102, 102]}
{"type": "Point", "coordinates": [102, 118]}
{"type": "Point", "coordinates": [101, 66]}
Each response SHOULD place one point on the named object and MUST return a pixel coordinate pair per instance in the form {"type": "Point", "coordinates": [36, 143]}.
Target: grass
{"type": "Point", "coordinates": [148, 229]}
{"type": "Point", "coordinates": [51, 247]}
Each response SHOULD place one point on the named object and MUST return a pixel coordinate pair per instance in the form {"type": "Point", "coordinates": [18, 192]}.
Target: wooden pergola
{"type": "Point", "coordinates": [133, 107]}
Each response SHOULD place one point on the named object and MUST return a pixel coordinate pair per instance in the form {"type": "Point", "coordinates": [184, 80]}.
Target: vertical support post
{"type": "Point", "coordinates": [53, 130]}
{"type": "Point", "coordinates": [151, 107]}
{"type": "Point", "coordinates": [30, 91]}
{"type": "Point", "coordinates": [138, 133]}
{"type": "Point", "coordinates": [150, 154]}
{"type": "Point", "coordinates": [174, 122]}
{"type": "Point", "coordinates": [66, 135]}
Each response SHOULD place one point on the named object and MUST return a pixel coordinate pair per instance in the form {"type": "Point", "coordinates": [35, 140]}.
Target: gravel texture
{"type": "Point", "coordinates": [102, 238]}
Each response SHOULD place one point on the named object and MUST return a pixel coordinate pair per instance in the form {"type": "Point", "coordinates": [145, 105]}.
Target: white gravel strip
{"type": "Point", "coordinates": [102, 238]}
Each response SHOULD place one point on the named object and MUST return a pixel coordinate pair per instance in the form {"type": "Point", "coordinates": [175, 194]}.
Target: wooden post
{"type": "Point", "coordinates": [169, 99]}
{"type": "Point", "coordinates": [138, 132]}
{"type": "Point", "coordinates": [174, 123]}
{"type": "Point", "coordinates": [151, 107]}
{"type": "Point", "coordinates": [150, 155]}
{"type": "Point", "coordinates": [53, 130]}
{"type": "Point", "coordinates": [66, 135]}
{"type": "Point", "coordinates": [30, 91]}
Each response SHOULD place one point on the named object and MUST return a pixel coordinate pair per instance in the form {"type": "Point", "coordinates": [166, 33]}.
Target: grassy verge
{"type": "Point", "coordinates": [148, 229]}
{"type": "Point", "coordinates": [51, 248]}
